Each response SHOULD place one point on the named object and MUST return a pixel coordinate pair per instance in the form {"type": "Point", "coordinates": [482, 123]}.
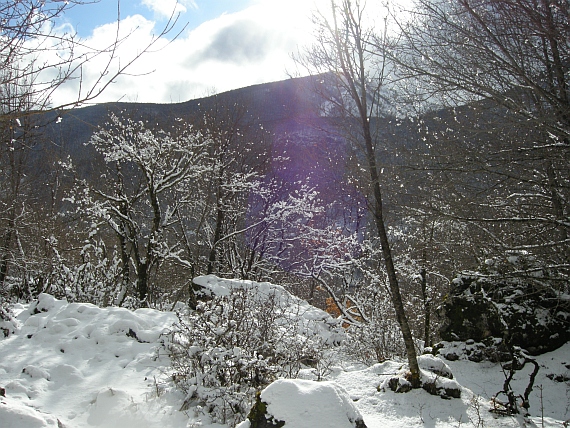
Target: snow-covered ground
{"type": "Point", "coordinates": [76, 365]}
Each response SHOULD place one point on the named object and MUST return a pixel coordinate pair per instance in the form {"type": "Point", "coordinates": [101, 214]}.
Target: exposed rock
{"type": "Point", "coordinates": [398, 384]}
{"type": "Point", "coordinates": [510, 300]}
{"type": "Point", "coordinates": [469, 316]}
{"type": "Point", "coordinates": [436, 379]}
{"type": "Point", "coordinates": [558, 377]}
{"type": "Point", "coordinates": [434, 389]}
{"type": "Point", "coordinates": [451, 356]}
{"type": "Point", "coordinates": [258, 416]}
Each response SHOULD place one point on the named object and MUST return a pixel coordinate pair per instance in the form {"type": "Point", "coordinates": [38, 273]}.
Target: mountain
{"type": "Point", "coordinates": [279, 107]}
{"type": "Point", "coordinates": [292, 99]}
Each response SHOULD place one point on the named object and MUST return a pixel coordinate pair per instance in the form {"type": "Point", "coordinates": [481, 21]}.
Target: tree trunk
{"type": "Point", "coordinates": [427, 308]}
{"type": "Point", "coordinates": [142, 284]}
{"type": "Point", "coordinates": [125, 269]}
{"type": "Point", "coordinates": [14, 192]}
{"type": "Point", "coordinates": [557, 204]}
{"type": "Point", "coordinates": [212, 259]}
{"type": "Point", "coordinates": [349, 59]}
{"type": "Point", "coordinates": [6, 256]}
{"type": "Point", "coordinates": [394, 286]}
{"type": "Point", "coordinates": [397, 301]}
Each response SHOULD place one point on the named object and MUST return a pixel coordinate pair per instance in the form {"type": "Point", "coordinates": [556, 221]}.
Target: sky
{"type": "Point", "coordinates": [226, 44]}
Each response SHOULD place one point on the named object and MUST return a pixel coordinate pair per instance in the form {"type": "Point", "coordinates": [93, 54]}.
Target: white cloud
{"type": "Point", "coordinates": [106, 57]}
{"type": "Point", "coordinates": [166, 8]}
{"type": "Point", "coordinates": [234, 50]}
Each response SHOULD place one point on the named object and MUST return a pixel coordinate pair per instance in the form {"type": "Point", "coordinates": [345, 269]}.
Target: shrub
{"type": "Point", "coordinates": [94, 278]}
{"type": "Point", "coordinates": [7, 321]}
{"type": "Point", "coordinates": [240, 340]}
{"type": "Point", "coordinates": [377, 337]}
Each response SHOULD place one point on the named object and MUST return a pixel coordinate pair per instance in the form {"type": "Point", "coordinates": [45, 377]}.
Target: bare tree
{"type": "Point", "coordinates": [345, 50]}
{"type": "Point", "coordinates": [38, 58]}
{"type": "Point", "coordinates": [508, 63]}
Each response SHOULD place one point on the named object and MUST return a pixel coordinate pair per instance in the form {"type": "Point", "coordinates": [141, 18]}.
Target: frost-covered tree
{"type": "Point", "coordinates": [302, 232]}
{"type": "Point", "coordinates": [428, 251]}
{"type": "Point", "coordinates": [17, 136]}
{"type": "Point", "coordinates": [238, 159]}
{"type": "Point", "coordinates": [37, 58]}
{"type": "Point", "coordinates": [141, 196]}
{"type": "Point", "coordinates": [495, 153]}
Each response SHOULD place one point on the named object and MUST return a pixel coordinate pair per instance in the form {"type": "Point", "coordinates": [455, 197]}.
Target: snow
{"type": "Point", "coordinates": [75, 365]}
{"type": "Point", "coordinates": [480, 381]}
{"type": "Point", "coordinates": [295, 308]}
{"type": "Point", "coordinates": [306, 403]}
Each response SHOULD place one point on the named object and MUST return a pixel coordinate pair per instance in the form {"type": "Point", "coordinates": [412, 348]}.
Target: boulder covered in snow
{"type": "Point", "coordinates": [434, 365]}
{"type": "Point", "coordinates": [435, 376]}
{"type": "Point", "coordinates": [494, 351]}
{"type": "Point", "coordinates": [296, 403]}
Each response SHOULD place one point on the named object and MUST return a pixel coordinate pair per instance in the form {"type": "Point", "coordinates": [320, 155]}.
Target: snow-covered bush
{"type": "Point", "coordinates": [377, 337]}
{"type": "Point", "coordinates": [94, 278]}
{"type": "Point", "coordinates": [240, 339]}
{"type": "Point", "coordinates": [7, 321]}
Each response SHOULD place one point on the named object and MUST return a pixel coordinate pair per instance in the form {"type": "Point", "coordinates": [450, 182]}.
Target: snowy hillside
{"type": "Point", "coordinates": [76, 365]}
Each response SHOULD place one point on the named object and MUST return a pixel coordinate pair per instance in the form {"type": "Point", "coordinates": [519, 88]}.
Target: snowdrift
{"type": "Point", "coordinates": [78, 365]}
